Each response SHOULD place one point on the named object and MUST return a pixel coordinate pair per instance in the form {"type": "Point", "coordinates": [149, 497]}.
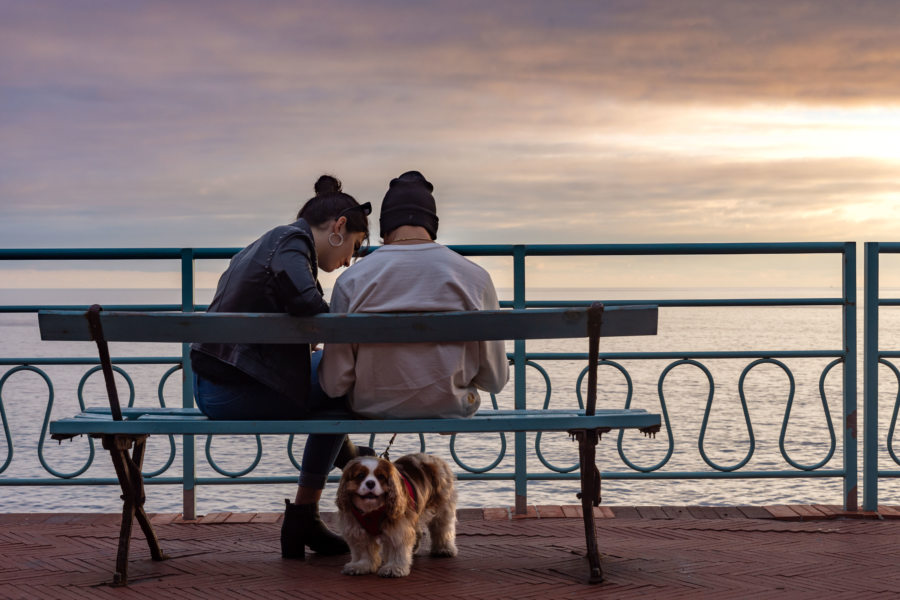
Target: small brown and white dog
{"type": "Point", "coordinates": [382, 507]}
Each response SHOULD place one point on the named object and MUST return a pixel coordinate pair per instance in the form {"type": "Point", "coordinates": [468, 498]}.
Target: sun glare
{"type": "Point", "coordinates": [871, 133]}
{"type": "Point", "coordinates": [765, 133]}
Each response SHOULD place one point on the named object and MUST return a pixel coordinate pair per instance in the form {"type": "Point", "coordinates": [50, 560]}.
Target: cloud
{"type": "Point", "coordinates": [664, 198]}
{"type": "Point", "coordinates": [205, 123]}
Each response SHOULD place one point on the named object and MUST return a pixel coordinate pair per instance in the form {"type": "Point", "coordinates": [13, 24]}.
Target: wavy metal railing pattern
{"type": "Point", "coordinates": [892, 428]}
{"type": "Point", "coordinates": [546, 404]}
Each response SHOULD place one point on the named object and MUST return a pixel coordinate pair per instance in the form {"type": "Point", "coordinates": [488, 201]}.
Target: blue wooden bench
{"type": "Point", "coordinates": [124, 431]}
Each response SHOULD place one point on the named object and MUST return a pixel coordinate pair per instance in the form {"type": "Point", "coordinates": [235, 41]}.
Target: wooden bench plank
{"type": "Point", "coordinates": [136, 411]}
{"type": "Point", "coordinates": [181, 425]}
{"type": "Point", "coordinates": [350, 327]}
{"type": "Point", "coordinates": [133, 412]}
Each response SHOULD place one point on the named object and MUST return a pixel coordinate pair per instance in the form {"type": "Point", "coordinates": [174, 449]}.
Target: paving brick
{"type": "Point", "coordinates": [163, 518]}
{"type": "Point", "coordinates": [728, 512]}
{"type": "Point", "coordinates": [496, 514]}
{"type": "Point", "coordinates": [754, 512]}
{"type": "Point", "coordinates": [677, 512]}
{"type": "Point", "coordinates": [218, 517]}
{"type": "Point", "coordinates": [267, 517]}
{"type": "Point", "coordinates": [625, 512]}
{"type": "Point", "coordinates": [808, 513]}
{"type": "Point", "coordinates": [550, 511]}
{"type": "Point", "coordinates": [703, 512]}
{"type": "Point", "coordinates": [652, 512]}
{"type": "Point", "coordinates": [829, 510]}
{"type": "Point", "coordinates": [530, 513]}
{"type": "Point", "coordinates": [470, 514]}
{"type": "Point", "coordinates": [783, 512]}
{"type": "Point", "coordinates": [240, 517]}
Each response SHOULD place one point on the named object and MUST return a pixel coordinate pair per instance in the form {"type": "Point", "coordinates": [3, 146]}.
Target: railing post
{"type": "Point", "coordinates": [189, 479]}
{"type": "Point", "coordinates": [848, 314]}
{"type": "Point", "coordinates": [521, 466]}
{"type": "Point", "coordinates": [870, 377]}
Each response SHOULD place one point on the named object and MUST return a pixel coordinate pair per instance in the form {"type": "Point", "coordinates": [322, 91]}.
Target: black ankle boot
{"type": "Point", "coordinates": [349, 451]}
{"type": "Point", "coordinates": [303, 527]}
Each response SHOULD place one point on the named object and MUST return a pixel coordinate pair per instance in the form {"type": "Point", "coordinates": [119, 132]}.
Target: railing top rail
{"type": "Point", "coordinates": [467, 249]}
{"type": "Point", "coordinates": [659, 249]}
{"type": "Point", "coordinates": [112, 253]}
{"type": "Point", "coordinates": [885, 247]}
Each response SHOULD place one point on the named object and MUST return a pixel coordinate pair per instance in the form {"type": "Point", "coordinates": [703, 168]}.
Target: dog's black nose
{"type": "Point", "coordinates": [370, 484]}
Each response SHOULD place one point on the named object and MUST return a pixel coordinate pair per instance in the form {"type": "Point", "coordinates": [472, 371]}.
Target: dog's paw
{"type": "Point", "coordinates": [393, 570]}
{"type": "Point", "coordinates": [358, 568]}
{"type": "Point", "coordinates": [448, 550]}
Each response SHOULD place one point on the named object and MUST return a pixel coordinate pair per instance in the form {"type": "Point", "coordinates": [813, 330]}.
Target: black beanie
{"type": "Point", "coordinates": [408, 201]}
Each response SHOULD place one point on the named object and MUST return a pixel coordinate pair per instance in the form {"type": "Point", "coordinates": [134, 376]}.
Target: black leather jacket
{"type": "Point", "coordinates": [277, 273]}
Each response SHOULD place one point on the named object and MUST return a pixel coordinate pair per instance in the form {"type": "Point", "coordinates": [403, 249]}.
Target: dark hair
{"type": "Point", "coordinates": [331, 203]}
{"type": "Point", "coordinates": [327, 184]}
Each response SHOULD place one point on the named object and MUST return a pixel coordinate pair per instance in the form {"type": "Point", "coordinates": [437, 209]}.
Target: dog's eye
{"type": "Point", "coordinates": [381, 477]}
{"type": "Point", "coordinates": [359, 476]}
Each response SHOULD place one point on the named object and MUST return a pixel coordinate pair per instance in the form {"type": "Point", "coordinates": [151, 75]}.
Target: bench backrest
{"type": "Point", "coordinates": [119, 326]}
{"type": "Point", "coordinates": [102, 327]}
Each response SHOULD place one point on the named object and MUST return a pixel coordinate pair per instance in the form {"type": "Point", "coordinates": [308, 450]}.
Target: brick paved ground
{"type": "Point", "coordinates": [653, 551]}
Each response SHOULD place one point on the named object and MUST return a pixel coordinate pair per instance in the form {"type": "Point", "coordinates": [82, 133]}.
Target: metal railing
{"type": "Point", "coordinates": [522, 360]}
{"type": "Point", "coordinates": [873, 356]}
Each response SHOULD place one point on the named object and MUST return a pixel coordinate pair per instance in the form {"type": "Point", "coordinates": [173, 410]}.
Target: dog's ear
{"type": "Point", "coordinates": [341, 500]}
{"type": "Point", "coordinates": [350, 474]}
{"type": "Point", "coordinates": [395, 499]}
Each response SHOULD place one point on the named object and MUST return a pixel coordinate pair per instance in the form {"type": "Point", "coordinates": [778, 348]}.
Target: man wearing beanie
{"type": "Point", "coordinates": [413, 273]}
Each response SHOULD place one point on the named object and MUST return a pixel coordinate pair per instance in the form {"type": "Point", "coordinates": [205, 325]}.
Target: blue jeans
{"type": "Point", "coordinates": [241, 402]}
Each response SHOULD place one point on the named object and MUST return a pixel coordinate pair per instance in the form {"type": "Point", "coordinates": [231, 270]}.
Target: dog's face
{"type": "Point", "coordinates": [368, 484]}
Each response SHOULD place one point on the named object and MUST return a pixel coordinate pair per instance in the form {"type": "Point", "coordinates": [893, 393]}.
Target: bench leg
{"type": "Point", "coordinates": [590, 497]}
{"type": "Point", "coordinates": [128, 471]}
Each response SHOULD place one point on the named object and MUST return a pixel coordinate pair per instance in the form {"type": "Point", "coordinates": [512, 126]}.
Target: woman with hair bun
{"type": "Point", "coordinates": [279, 273]}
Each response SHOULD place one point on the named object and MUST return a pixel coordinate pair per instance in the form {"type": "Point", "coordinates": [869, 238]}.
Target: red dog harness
{"type": "Point", "coordinates": [372, 521]}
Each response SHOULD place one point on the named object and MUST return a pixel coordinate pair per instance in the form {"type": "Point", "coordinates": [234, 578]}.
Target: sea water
{"type": "Point", "coordinates": [685, 389]}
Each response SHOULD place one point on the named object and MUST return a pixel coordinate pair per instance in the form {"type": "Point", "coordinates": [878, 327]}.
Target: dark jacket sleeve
{"type": "Point", "coordinates": [295, 282]}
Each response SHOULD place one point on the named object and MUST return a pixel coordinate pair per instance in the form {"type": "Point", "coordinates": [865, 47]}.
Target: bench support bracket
{"type": "Point", "coordinates": [590, 497]}
{"type": "Point", "coordinates": [128, 466]}
{"type": "Point", "coordinates": [128, 471]}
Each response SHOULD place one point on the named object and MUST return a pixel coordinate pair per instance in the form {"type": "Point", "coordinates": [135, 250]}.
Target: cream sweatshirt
{"type": "Point", "coordinates": [414, 380]}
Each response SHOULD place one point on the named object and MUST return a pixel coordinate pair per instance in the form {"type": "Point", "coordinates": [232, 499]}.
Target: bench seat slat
{"type": "Point", "coordinates": [136, 411]}
{"type": "Point", "coordinates": [181, 425]}
{"type": "Point", "coordinates": [92, 416]}
{"type": "Point", "coordinates": [133, 412]}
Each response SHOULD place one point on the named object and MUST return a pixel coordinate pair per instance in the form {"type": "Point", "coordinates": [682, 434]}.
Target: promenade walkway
{"type": "Point", "coordinates": [648, 552]}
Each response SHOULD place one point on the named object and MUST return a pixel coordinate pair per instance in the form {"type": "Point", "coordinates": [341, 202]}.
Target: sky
{"type": "Point", "coordinates": [205, 123]}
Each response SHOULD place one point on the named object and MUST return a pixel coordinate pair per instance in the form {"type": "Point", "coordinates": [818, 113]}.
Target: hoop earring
{"type": "Point", "coordinates": [340, 237]}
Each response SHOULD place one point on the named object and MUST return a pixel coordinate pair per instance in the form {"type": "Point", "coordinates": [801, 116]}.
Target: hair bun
{"type": "Point", "coordinates": [327, 184]}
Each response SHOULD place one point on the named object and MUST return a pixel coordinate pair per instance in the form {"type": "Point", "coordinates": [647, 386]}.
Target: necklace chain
{"type": "Point", "coordinates": [412, 240]}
